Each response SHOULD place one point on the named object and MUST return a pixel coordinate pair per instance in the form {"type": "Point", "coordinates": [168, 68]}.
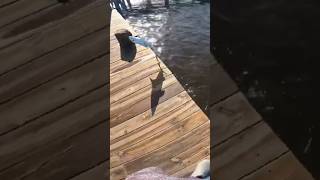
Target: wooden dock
{"type": "Point", "coordinates": [53, 90]}
{"type": "Point", "coordinates": [172, 133]}
{"type": "Point", "coordinates": [54, 114]}
{"type": "Point", "coordinates": [176, 137]}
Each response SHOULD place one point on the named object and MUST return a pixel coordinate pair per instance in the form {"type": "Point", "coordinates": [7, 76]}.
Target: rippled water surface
{"type": "Point", "coordinates": [180, 36]}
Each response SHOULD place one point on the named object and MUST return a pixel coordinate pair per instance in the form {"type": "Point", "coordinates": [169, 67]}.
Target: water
{"type": "Point", "coordinates": [180, 36]}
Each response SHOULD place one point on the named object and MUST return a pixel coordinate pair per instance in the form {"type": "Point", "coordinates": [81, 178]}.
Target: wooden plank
{"type": "Point", "coordinates": [118, 23]}
{"type": "Point", "coordinates": [142, 93]}
{"type": "Point", "coordinates": [189, 157]}
{"type": "Point", "coordinates": [135, 124]}
{"type": "Point", "coordinates": [130, 80]}
{"type": "Point", "coordinates": [151, 129]}
{"type": "Point", "coordinates": [257, 146]}
{"type": "Point", "coordinates": [63, 159]}
{"type": "Point", "coordinates": [125, 78]}
{"type": "Point", "coordinates": [221, 85]}
{"type": "Point", "coordinates": [41, 20]}
{"type": "Point", "coordinates": [123, 65]}
{"type": "Point", "coordinates": [140, 138]}
{"type": "Point", "coordinates": [137, 68]}
{"type": "Point", "coordinates": [116, 56]}
{"type": "Point", "coordinates": [4, 3]}
{"type": "Point", "coordinates": [187, 171]}
{"type": "Point", "coordinates": [88, 21]}
{"type": "Point", "coordinates": [157, 141]}
{"type": "Point", "coordinates": [100, 172]}
{"type": "Point", "coordinates": [121, 113]}
{"type": "Point", "coordinates": [138, 86]}
{"type": "Point", "coordinates": [164, 154]}
{"type": "Point", "coordinates": [287, 167]}
{"type": "Point", "coordinates": [56, 126]}
{"type": "Point", "coordinates": [21, 9]}
{"type": "Point", "coordinates": [52, 95]}
{"type": "Point", "coordinates": [231, 116]}
{"type": "Point", "coordinates": [52, 65]}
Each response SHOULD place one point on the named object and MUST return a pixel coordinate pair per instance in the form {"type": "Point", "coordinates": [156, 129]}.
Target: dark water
{"type": "Point", "coordinates": [180, 36]}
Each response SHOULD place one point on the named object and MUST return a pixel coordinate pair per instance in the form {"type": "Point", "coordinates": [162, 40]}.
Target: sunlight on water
{"type": "Point", "coordinates": [180, 35]}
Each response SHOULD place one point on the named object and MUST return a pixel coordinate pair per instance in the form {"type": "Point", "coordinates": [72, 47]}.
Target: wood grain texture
{"type": "Point", "coordinates": [58, 125]}
{"type": "Point", "coordinates": [53, 65]}
{"type": "Point", "coordinates": [41, 20]}
{"type": "Point", "coordinates": [21, 9]}
{"type": "Point", "coordinates": [124, 111]}
{"type": "Point", "coordinates": [52, 95]}
{"type": "Point", "coordinates": [157, 141]}
{"type": "Point", "coordinates": [187, 171]}
{"type": "Point", "coordinates": [245, 152]}
{"type": "Point", "coordinates": [172, 105]}
{"type": "Point", "coordinates": [63, 159]}
{"type": "Point", "coordinates": [4, 3]}
{"type": "Point", "coordinates": [222, 85]}
{"type": "Point", "coordinates": [165, 155]}
{"type": "Point", "coordinates": [53, 89]}
{"type": "Point", "coordinates": [286, 167]}
{"type": "Point", "coordinates": [140, 138]}
{"type": "Point", "coordinates": [99, 172]}
{"type": "Point", "coordinates": [88, 21]}
{"type": "Point", "coordinates": [231, 116]}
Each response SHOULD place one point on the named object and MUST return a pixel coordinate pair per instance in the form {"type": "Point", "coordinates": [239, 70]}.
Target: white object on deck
{"type": "Point", "coordinates": [202, 170]}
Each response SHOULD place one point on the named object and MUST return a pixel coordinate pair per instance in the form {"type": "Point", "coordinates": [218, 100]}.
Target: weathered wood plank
{"type": "Point", "coordinates": [52, 65]}
{"type": "Point", "coordinates": [41, 20]}
{"type": "Point", "coordinates": [49, 39]}
{"type": "Point", "coordinates": [231, 116]}
{"type": "Point", "coordinates": [52, 95]}
{"type": "Point", "coordinates": [21, 9]}
{"type": "Point", "coordinates": [100, 172]}
{"type": "Point", "coordinates": [257, 145]}
{"type": "Point", "coordinates": [221, 85]}
{"type": "Point", "coordinates": [63, 159]}
{"type": "Point", "coordinates": [144, 83]}
{"type": "Point", "coordinates": [142, 93]}
{"type": "Point", "coordinates": [140, 138]}
{"type": "Point", "coordinates": [130, 80]}
{"type": "Point", "coordinates": [187, 171]}
{"type": "Point", "coordinates": [189, 157]}
{"type": "Point", "coordinates": [164, 154]}
{"type": "Point", "coordinates": [123, 65]}
{"type": "Point", "coordinates": [132, 75]}
{"type": "Point", "coordinates": [135, 67]}
{"type": "Point", "coordinates": [154, 128]}
{"type": "Point", "coordinates": [4, 3]}
{"type": "Point", "coordinates": [122, 112]}
{"type": "Point", "coordinates": [56, 126]}
{"type": "Point", "coordinates": [135, 124]}
{"type": "Point", "coordinates": [287, 167]}
{"type": "Point", "coordinates": [179, 128]}
{"type": "Point", "coordinates": [116, 56]}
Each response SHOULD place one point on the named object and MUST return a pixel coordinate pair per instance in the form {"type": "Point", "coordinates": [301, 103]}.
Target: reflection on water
{"type": "Point", "coordinates": [180, 37]}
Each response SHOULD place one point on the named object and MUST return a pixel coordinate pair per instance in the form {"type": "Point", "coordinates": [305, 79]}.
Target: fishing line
{"type": "Point", "coordinates": [142, 42]}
